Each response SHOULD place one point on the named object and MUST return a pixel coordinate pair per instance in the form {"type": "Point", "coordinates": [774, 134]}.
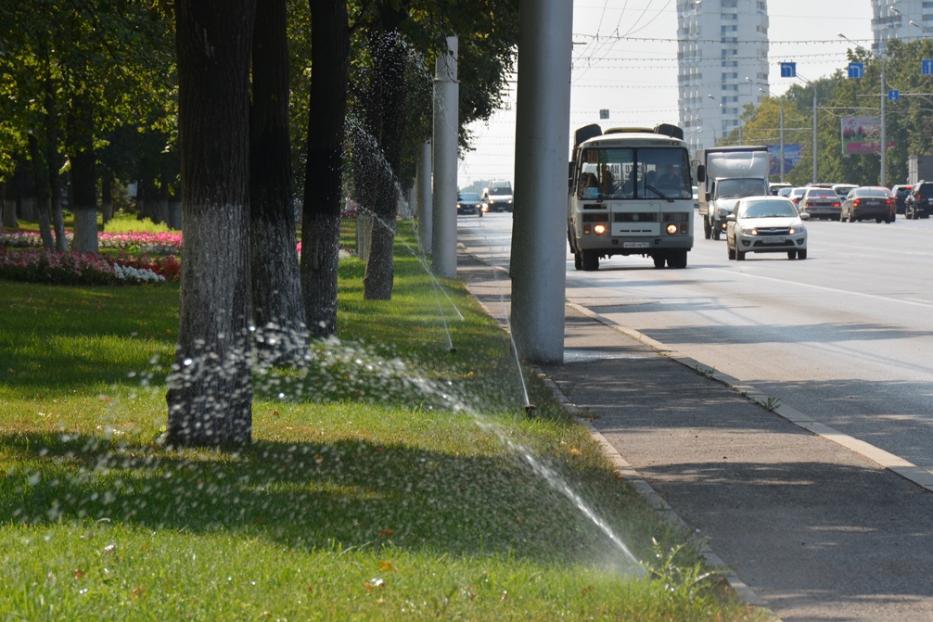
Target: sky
{"type": "Point", "coordinates": [637, 80]}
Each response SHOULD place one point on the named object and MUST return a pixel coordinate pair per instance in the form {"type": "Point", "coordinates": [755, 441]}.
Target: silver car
{"type": "Point", "coordinates": [766, 224]}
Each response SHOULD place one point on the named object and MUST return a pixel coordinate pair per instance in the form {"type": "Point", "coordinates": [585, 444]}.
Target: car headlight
{"type": "Point", "coordinates": [671, 229]}
{"type": "Point", "coordinates": [510, 201]}
{"type": "Point", "coordinates": [599, 229]}
{"type": "Point", "coordinates": [459, 206]}
{"type": "Point", "coordinates": [749, 230]}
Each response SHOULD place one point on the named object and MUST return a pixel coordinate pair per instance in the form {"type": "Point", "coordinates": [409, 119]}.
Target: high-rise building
{"type": "Point", "coordinates": [900, 19]}
{"type": "Point", "coordinates": [723, 64]}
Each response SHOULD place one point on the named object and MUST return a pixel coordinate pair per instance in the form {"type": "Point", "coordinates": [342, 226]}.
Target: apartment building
{"type": "Point", "coordinates": [722, 64]}
{"type": "Point", "coordinates": [900, 19]}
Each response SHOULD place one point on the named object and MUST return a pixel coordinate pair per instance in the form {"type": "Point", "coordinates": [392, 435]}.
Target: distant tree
{"type": "Point", "coordinates": [210, 390]}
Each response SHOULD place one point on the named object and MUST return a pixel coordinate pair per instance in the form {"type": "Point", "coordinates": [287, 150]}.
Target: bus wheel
{"type": "Point", "coordinates": [590, 260]}
{"type": "Point", "coordinates": [659, 260]}
{"type": "Point", "coordinates": [577, 261]}
{"type": "Point", "coordinates": [677, 259]}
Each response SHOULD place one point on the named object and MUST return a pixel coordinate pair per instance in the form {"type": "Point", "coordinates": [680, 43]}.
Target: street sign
{"type": "Point", "coordinates": [894, 95]}
{"type": "Point", "coordinates": [603, 113]}
{"type": "Point", "coordinates": [788, 70]}
{"type": "Point", "coordinates": [856, 70]}
{"type": "Point", "coordinates": [926, 66]}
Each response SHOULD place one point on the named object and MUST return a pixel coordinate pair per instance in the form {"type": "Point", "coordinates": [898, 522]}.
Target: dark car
{"type": "Point", "coordinates": [469, 203]}
{"type": "Point", "coordinates": [900, 193]}
{"type": "Point", "coordinates": [867, 203]}
{"type": "Point", "coordinates": [919, 203]}
{"type": "Point", "coordinates": [820, 203]}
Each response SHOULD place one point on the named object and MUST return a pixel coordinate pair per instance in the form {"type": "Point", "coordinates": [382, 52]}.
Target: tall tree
{"type": "Point", "coordinates": [276, 287]}
{"type": "Point", "coordinates": [210, 391]}
{"type": "Point", "coordinates": [320, 233]}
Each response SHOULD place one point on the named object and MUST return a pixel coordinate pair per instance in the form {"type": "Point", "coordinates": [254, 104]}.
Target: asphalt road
{"type": "Point", "coordinates": [845, 336]}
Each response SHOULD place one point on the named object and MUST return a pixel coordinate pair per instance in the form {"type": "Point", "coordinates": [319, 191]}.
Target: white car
{"type": "Point", "coordinates": [766, 224]}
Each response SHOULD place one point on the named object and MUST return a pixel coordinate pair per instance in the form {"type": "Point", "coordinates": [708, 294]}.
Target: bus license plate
{"type": "Point", "coordinates": [635, 245]}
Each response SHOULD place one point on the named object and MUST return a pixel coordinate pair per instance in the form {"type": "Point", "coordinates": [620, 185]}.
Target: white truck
{"type": "Point", "coordinates": [728, 174]}
{"type": "Point", "coordinates": [630, 194]}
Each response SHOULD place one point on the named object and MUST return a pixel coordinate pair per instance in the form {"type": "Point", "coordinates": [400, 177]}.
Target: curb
{"type": "Point", "coordinates": [624, 470]}
{"type": "Point", "coordinates": [631, 476]}
{"type": "Point", "coordinates": [897, 465]}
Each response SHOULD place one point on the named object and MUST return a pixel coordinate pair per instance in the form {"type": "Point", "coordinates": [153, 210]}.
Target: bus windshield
{"type": "Point", "coordinates": [640, 173]}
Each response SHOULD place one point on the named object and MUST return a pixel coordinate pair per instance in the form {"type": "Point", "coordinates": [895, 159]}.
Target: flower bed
{"type": "Point", "coordinates": [73, 269]}
{"type": "Point", "coordinates": [152, 243]}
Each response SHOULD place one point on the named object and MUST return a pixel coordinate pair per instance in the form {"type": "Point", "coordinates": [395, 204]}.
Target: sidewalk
{"type": "Point", "coordinates": [816, 531]}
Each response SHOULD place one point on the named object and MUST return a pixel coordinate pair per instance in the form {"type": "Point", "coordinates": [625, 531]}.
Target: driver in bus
{"type": "Point", "coordinates": [669, 178]}
{"type": "Point", "coordinates": [607, 183]}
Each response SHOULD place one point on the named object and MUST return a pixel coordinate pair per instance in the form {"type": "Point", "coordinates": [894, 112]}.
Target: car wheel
{"type": "Point", "coordinates": [730, 252]}
{"type": "Point", "coordinates": [716, 232]}
{"type": "Point", "coordinates": [739, 255]}
{"type": "Point", "coordinates": [792, 254]}
{"type": "Point", "coordinates": [590, 261]}
{"type": "Point", "coordinates": [802, 254]}
{"type": "Point", "coordinates": [926, 215]}
{"type": "Point", "coordinates": [878, 220]}
{"type": "Point", "coordinates": [658, 260]}
{"type": "Point", "coordinates": [577, 261]}
{"type": "Point", "coordinates": [707, 230]}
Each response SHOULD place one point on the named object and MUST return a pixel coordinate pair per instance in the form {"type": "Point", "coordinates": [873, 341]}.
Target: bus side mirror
{"type": "Point", "coordinates": [701, 173]}
{"type": "Point", "coordinates": [570, 176]}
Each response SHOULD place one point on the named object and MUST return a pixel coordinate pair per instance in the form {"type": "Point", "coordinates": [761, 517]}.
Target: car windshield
{"type": "Point", "coordinates": [872, 192]}
{"type": "Point", "coordinates": [925, 190]}
{"type": "Point", "coordinates": [767, 209]}
{"type": "Point", "coordinates": [785, 192]}
{"type": "Point", "coordinates": [903, 191]}
{"type": "Point", "coordinates": [739, 188]}
{"type": "Point", "coordinates": [645, 173]}
{"type": "Point", "coordinates": [500, 190]}
{"type": "Point", "coordinates": [469, 196]}
{"type": "Point", "coordinates": [843, 190]}
{"type": "Point", "coordinates": [797, 192]}
{"type": "Point", "coordinates": [821, 194]}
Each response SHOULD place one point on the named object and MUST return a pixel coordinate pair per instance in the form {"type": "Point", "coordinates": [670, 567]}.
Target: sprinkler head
{"type": "Point", "coordinates": [530, 410]}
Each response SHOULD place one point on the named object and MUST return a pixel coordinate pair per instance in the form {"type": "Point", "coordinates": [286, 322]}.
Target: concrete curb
{"type": "Point", "coordinates": [904, 468]}
{"type": "Point", "coordinates": [628, 473]}
{"type": "Point", "coordinates": [631, 476]}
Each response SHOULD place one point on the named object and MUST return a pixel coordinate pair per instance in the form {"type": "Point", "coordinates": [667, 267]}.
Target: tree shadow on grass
{"type": "Point", "coordinates": [351, 493]}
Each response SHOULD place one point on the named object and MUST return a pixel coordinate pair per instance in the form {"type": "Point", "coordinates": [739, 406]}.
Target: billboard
{"type": "Point", "coordinates": [862, 136]}
{"type": "Point", "coordinates": [791, 157]}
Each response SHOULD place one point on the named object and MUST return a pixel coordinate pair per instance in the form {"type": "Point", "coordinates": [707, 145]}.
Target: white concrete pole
{"type": "Point", "coordinates": [882, 174]}
{"type": "Point", "coordinates": [815, 154]}
{"type": "Point", "coordinates": [423, 198]}
{"type": "Point", "coordinates": [446, 127]}
{"type": "Point", "coordinates": [782, 140]}
{"type": "Point", "coordinates": [539, 219]}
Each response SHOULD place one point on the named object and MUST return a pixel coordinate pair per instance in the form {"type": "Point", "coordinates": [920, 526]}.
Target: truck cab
{"type": "Point", "coordinates": [729, 173]}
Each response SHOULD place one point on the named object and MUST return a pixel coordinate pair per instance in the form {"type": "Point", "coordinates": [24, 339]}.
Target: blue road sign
{"type": "Point", "coordinates": [788, 70]}
{"type": "Point", "coordinates": [894, 95]}
{"type": "Point", "coordinates": [926, 66]}
{"type": "Point", "coordinates": [856, 70]}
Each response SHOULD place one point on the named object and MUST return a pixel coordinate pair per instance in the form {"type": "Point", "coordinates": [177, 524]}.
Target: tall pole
{"type": "Point", "coordinates": [782, 140]}
{"type": "Point", "coordinates": [882, 175]}
{"type": "Point", "coordinates": [539, 220]}
{"type": "Point", "coordinates": [446, 125]}
{"type": "Point", "coordinates": [815, 154]}
{"type": "Point", "coordinates": [423, 201]}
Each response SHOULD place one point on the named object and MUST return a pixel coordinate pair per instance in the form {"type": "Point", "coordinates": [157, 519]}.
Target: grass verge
{"type": "Point", "coordinates": [366, 495]}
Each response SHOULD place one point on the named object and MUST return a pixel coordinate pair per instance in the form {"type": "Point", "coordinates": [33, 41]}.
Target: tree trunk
{"type": "Point", "coordinates": [320, 232]}
{"type": "Point", "coordinates": [83, 174]}
{"type": "Point", "coordinates": [9, 208]}
{"type": "Point", "coordinates": [106, 195]}
{"type": "Point", "coordinates": [386, 116]}
{"type": "Point", "coordinates": [54, 163]}
{"type": "Point", "coordinates": [210, 391]}
{"type": "Point", "coordinates": [41, 183]}
{"type": "Point", "coordinates": [276, 288]}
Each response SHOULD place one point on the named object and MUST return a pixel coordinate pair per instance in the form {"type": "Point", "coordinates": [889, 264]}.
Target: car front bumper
{"type": "Point", "coordinates": [770, 244]}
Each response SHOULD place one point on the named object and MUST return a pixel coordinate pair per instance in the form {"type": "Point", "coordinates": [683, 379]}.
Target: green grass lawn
{"type": "Point", "coordinates": [122, 222]}
{"type": "Point", "coordinates": [361, 497]}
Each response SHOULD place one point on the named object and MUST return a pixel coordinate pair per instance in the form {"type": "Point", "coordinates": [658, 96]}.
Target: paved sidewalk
{"type": "Point", "coordinates": [816, 531]}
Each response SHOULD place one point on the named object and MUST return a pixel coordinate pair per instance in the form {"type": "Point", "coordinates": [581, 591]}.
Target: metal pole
{"type": "Point", "coordinates": [815, 154]}
{"type": "Point", "coordinates": [446, 126]}
{"type": "Point", "coordinates": [539, 220]}
{"type": "Point", "coordinates": [425, 207]}
{"type": "Point", "coordinates": [782, 141]}
{"type": "Point", "coordinates": [884, 134]}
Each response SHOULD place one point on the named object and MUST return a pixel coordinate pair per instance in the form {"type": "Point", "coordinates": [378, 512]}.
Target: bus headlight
{"type": "Point", "coordinates": [599, 229]}
{"type": "Point", "coordinates": [671, 229]}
